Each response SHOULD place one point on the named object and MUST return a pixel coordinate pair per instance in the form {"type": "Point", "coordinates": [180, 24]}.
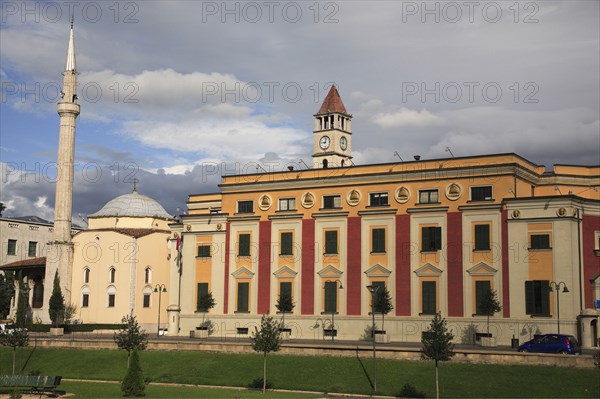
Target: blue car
{"type": "Point", "coordinates": [552, 343]}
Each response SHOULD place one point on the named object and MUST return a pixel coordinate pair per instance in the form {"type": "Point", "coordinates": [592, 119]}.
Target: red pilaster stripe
{"type": "Point", "coordinates": [403, 250]}
{"type": "Point", "coordinates": [264, 267]}
{"type": "Point", "coordinates": [591, 266]}
{"type": "Point", "coordinates": [455, 264]}
{"type": "Point", "coordinates": [308, 267]}
{"type": "Point", "coordinates": [354, 289]}
{"type": "Point", "coordinates": [226, 279]}
{"type": "Point", "coordinates": [505, 273]}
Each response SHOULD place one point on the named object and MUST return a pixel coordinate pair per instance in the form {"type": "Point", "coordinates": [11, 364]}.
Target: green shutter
{"type": "Point", "coordinates": [545, 297]}
{"type": "Point", "coordinates": [380, 292]}
{"type": "Point", "coordinates": [425, 245]}
{"type": "Point", "coordinates": [286, 243]}
{"type": "Point", "coordinates": [244, 245]}
{"type": "Point", "coordinates": [481, 287]}
{"type": "Point", "coordinates": [285, 288]}
{"type": "Point", "coordinates": [202, 291]}
{"type": "Point", "coordinates": [529, 297]}
{"type": "Point", "coordinates": [242, 302]}
{"type": "Point", "coordinates": [378, 240]}
{"type": "Point", "coordinates": [330, 297]}
{"type": "Point", "coordinates": [482, 237]}
{"type": "Point", "coordinates": [437, 232]}
{"type": "Point", "coordinates": [428, 297]}
{"type": "Point", "coordinates": [331, 242]}
{"type": "Point", "coordinates": [204, 251]}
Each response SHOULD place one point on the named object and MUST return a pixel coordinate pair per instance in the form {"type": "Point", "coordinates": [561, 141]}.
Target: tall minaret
{"type": "Point", "coordinates": [60, 250]}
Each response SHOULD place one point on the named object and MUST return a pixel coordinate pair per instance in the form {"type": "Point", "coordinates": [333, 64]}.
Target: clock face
{"type": "Point", "coordinates": [343, 143]}
{"type": "Point", "coordinates": [324, 142]}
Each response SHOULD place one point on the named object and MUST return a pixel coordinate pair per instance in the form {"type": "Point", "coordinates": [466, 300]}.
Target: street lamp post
{"type": "Point", "coordinates": [373, 289]}
{"type": "Point", "coordinates": [335, 309]}
{"type": "Point", "coordinates": [160, 288]}
{"type": "Point", "coordinates": [557, 288]}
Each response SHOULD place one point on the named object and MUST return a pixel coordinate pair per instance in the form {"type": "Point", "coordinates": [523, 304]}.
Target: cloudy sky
{"type": "Point", "coordinates": [177, 94]}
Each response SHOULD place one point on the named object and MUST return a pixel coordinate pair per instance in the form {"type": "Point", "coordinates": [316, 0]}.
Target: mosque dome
{"type": "Point", "coordinates": [133, 205]}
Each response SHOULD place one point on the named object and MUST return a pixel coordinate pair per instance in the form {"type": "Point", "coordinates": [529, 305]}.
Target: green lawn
{"type": "Point", "coordinates": [323, 374]}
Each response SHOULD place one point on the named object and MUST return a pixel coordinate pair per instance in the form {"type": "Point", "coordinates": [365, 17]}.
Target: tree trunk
{"type": "Point", "coordinates": [488, 323]}
{"type": "Point", "coordinates": [203, 315]}
{"type": "Point", "coordinates": [265, 374]}
{"type": "Point", "coordinates": [437, 382]}
{"type": "Point", "coordinates": [283, 320]}
{"type": "Point", "coordinates": [14, 358]}
{"type": "Point", "coordinates": [382, 320]}
{"type": "Point", "coordinates": [128, 358]}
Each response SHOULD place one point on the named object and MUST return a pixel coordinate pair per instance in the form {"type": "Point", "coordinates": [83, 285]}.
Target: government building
{"type": "Point", "coordinates": [437, 234]}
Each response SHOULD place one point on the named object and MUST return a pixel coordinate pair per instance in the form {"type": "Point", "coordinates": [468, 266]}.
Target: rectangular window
{"type": "Point", "coordinates": [483, 193]}
{"type": "Point", "coordinates": [85, 300]}
{"type": "Point", "coordinates": [111, 300]}
{"type": "Point", "coordinates": [330, 297]}
{"type": "Point", "coordinates": [287, 243]}
{"type": "Point", "coordinates": [431, 239]}
{"type": "Point", "coordinates": [204, 251]}
{"type": "Point", "coordinates": [428, 196]}
{"type": "Point", "coordinates": [332, 201]}
{"type": "Point", "coordinates": [537, 298]}
{"type": "Point", "coordinates": [287, 204]}
{"type": "Point", "coordinates": [481, 288]}
{"type": "Point", "coordinates": [378, 199]}
{"type": "Point", "coordinates": [428, 297]}
{"type": "Point", "coordinates": [482, 237]}
{"type": "Point", "coordinates": [242, 299]}
{"type": "Point", "coordinates": [378, 294]}
{"type": "Point", "coordinates": [11, 249]}
{"type": "Point", "coordinates": [285, 288]}
{"type": "Point", "coordinates": [540, 241]}
{"type": "Point", "coordinates": [331, 242]}
{"type": "Point", "coordinates": [245, 206]}
{"type": "Point", "coordinates": [244, 245]}
{"type": "Point", "coordinates": [32, 250]}
{"type": "Point", "coordinates": [146, 300]}
{"type": "Point", "coordinates": [202, 290]}
{"type": "Point", "coordinates": [378, 241]}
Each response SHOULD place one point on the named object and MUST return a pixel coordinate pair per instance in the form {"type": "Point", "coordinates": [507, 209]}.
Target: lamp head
{"type": "Point", "coordinates": [566, 289]}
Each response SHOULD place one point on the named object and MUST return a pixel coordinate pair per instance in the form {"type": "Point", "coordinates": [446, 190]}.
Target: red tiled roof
{"type": "Point", "coordinates": [332, 103]}
{"type": "Point", "coordinates": [26, 263]}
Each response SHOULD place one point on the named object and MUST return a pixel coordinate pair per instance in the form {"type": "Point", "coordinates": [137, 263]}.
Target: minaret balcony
{"type": "Point", "coordinates": [68, 108]}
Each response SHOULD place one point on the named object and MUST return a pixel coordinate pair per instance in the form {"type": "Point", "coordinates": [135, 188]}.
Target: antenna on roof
{"type": "Point", "coordinates": [398, 155]}
{"type": "Point", "coordinates": [448, 150]}
{"type": "Point", "coordinates": [135, 180]}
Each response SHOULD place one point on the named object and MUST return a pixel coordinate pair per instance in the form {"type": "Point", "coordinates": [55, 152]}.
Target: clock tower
{"type": "Point", "coordinates": [332, 134]}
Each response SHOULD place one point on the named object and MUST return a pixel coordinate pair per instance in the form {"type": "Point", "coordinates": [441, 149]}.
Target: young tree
{"type": "Point", "coordinates": [22, 316]}
{"type": "Point", "coordinates": [383, 304]}
{"type": "Point", "coordinates": [266, 340]}
{"type": "Point", "coordinates": [56, 307]}
{"type": "Point", "coordinates": [130, 337]}
{"type": "Point", "coordinates": [133, 384]}
{"type": "Point", "coordinates": [489, 304]}
{"type": "Point", "coordinates": [437, 345]}
{"type": "Point", "coordinates": [206, 303]}
{"type": "Point", "coordinates": [15, 338]}
{"type": "Point", "coordinates": [7, 292]}
{"type": "Point", "coordinates": [284, 305]}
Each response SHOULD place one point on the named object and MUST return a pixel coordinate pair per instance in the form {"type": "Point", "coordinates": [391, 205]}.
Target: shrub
{"type": "Point", "coordinates": [409, 391]}
{"type": "Point", "coordinates": [597, 358]}
{"type": "Point", "coordinates": [133, 384]}
{"type": "Point", "coordinates": [257, 383]}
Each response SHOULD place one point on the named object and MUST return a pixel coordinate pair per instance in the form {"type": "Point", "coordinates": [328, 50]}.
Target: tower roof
{"type": "Point", "coordinates": [133, 205]}
{"type": "Point", "coordinates": [332, 103]}
{"type": "Point", "coordinates": [70, 64]}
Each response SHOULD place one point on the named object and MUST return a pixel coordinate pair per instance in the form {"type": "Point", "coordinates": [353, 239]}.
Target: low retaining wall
{"type": "Point", "coordinates": [319, 349]}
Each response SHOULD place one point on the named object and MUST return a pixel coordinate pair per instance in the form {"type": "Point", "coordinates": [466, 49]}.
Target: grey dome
{"type": "Point", "coordinates": [135, 205]}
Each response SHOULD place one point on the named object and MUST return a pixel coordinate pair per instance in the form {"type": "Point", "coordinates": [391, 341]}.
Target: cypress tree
{"type": "Point", "coordinates": [133, 384]}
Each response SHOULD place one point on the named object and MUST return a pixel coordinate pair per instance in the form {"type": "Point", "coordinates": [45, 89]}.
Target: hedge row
{"type": "Point", "coordinates": [70, 328]}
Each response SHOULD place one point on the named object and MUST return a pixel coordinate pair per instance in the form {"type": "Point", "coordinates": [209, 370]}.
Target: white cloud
{"type": "Point", "coordinates": [406, 117]}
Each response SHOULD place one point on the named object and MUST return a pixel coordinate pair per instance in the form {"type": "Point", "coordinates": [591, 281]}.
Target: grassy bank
{"type": "Point", "coordinates": [324, 374]}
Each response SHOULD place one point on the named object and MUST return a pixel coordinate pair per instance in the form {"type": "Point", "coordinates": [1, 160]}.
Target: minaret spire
{"type": "Point", "coordinates": [60, 251]}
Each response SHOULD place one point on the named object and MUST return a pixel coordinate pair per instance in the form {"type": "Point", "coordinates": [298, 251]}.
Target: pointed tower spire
{"type": "Point", "coordinates": [333, 133]}
{"type": "Point", "coordinates": [70, 64]}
